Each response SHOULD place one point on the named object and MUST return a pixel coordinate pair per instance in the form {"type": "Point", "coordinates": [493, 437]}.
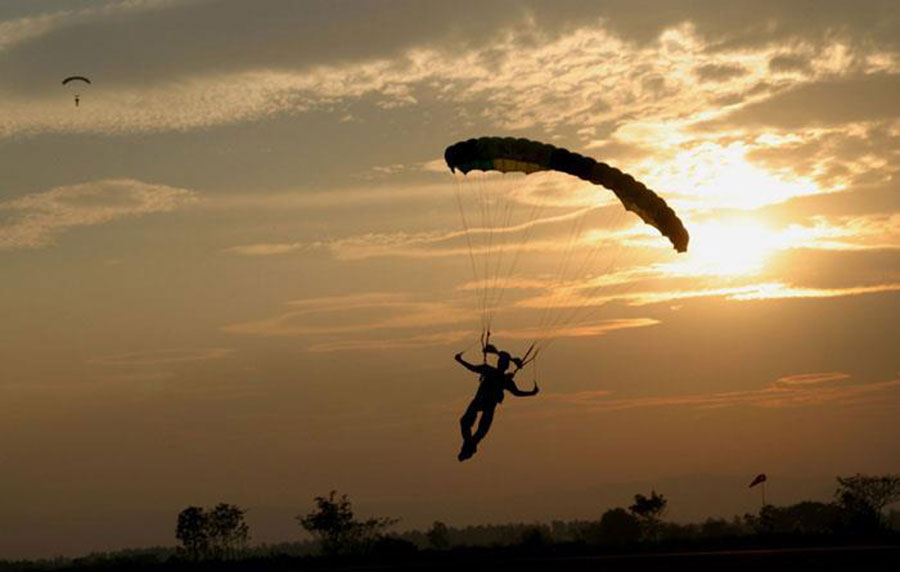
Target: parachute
{"type": "Point", "coordinates": [76, 78]}
{"type": "Point", "coordinates": [508, 154]}
{"type": "Point", "coordinates": [578, 261]}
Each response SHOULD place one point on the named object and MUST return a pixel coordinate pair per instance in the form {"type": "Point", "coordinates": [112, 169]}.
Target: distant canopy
{"type": "Point", "coordinates": [76, 78]}
{"type": "Point", "coordinates": [508, 154]}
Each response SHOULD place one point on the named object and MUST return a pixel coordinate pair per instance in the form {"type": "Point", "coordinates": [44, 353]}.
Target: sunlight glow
{"type": "Point", "coordinates": [727, 249]}
{"type": "Point", "coordinates": [710, 176]}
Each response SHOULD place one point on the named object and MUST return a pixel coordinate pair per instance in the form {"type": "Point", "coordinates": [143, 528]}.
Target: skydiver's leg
{"type": "Point", "coordinates": [484, 424]}
{"type": "Point", "coordinates": [465, 425]}
{"type": "Point", "coordinates": [467, 420]}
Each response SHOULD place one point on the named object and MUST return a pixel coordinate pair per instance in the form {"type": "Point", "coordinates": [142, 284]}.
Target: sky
{"type": "Point", "coordinates": [239, 269]}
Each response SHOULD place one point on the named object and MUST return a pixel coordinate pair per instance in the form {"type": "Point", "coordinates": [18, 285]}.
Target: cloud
{"type": "Point", "coordinates": [37, 219]}
{"type": "Point", "coordinates": [142, 41]}
{"type": "Point", "coordinates": [867, 232]}
{"type": "Point", "coordinates": [347, 198]}
{"type": "Point", "coordinates": [590, 76]}
{"type": "Point", "coordinates": [576, 330]}
{"type": "Point", "coordinates": [267, 249]}
{"type": "Point", "coordinates": [594, 296]}
{"type": "Point", "coordinates": [783, 63]}
{"type": "Point", "coordinates": [400, 321]}
{"type": "Point", "coordinates": [163, 357]}
{"type": "Point", "coordinates": [478, 242]}
{"type": "Point", "coordinates": [757, 291]}
{"type": "Point", "coordinates": [340, 315]}
{"type": "Point", "coordinates": [806, 379]}
{"type": "Point", "coordinates": [444, 338]}
{"type": "Point", "coordinates": [719, 72]}
{"type": "Point", "coordinates": [28, 29]}
{"type": "Point", "coordinates": [775, 291]}
{"type": "Point", "coordinates": [869, 97]}
{"type": "Point", "coordinates": [839, 389]}
{"type": "Point", "coordinates": [393, 343]}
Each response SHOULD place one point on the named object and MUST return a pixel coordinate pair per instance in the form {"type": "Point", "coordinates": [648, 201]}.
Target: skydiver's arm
{"type": "Point", "coordinates": [514, 389]}
{"type": "Point", "coordinates": [471, 367]}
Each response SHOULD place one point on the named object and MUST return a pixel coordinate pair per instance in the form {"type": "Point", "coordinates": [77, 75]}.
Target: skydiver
{"type": "Point", "coordinates": [491, 384]}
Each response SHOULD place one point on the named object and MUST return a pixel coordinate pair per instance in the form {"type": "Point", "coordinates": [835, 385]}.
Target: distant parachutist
{"type": "Point", "coordinates": [76, 78]}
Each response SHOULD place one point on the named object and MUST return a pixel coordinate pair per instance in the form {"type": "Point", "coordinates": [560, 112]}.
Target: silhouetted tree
{"type": "Point", "coordinates": [535, 537]}
{"type": "Point", "coordinates": [649, 511]}
{"type": "Point", "coordinates": [874, 493]}
{"type": "Point", "coordinates": [193, 533]}
{"type": "Point", "coordinates": [227, 532]}
{"type": "Point", "coordinates": [438, 536]}
{"type": "Point", "coordinates": [218, 533]}
{"type": "Point", "coordinates": [893, 520]}
{"type": "Point", "coordinates": [616, 526]}
{"type": "Point", "coordinates": [721, 528]}
{"type": "Point", "coordinates": [337, 529]}
{"type": "Point", "coordinates": [393, 547]}
{"type": "Point", "coordinates": [803, 518]}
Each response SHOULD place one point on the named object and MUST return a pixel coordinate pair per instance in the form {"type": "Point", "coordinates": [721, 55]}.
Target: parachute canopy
{"type": "Point", "coordinates": [509, 154]}
{"type": "Point", "coordinates": [76, 78]}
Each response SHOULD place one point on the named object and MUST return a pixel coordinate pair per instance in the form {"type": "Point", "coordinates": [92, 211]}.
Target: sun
{"type": "Point", "coordinates": [727, 248]}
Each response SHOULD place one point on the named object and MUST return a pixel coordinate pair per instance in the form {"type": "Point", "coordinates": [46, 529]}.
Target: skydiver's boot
{"type": "Point", "coordinates": [468, 449]}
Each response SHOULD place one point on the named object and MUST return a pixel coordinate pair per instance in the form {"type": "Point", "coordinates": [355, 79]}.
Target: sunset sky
{"type": "Point", "coordinates": [237, 271]}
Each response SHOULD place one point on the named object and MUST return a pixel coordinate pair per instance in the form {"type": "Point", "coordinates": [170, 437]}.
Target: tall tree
{"type": "Point", "coordinates": [874, 492]}
{"type": "Point", "coordinates": [438, 536]}
{"type": "Point", "coordinates": [338, 530]}
{"type": "Point", "coordinates": [192, 532]}
{"type": "Point", "coordinates": [649, 511]}
{"type": "Point", "coordinates": [863, 498]}
{"type": "Point", "coordinates": [227, 531]}
{"type": "Point", "coordinates": [217, 533]}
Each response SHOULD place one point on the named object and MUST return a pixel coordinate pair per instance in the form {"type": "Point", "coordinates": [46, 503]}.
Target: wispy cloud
{"type": "Point", "coordinates": [382, 320]}
{"type": "Point", "coordinates": [393, 343]}
{"type": "Point", "coordinates": [340, 315]}
{"type": "Point", "coordinates": [577, 330]}
{"type": "Point", "coordinates": [267, 249]}
{"type": "Point", "coordinates": [37, 219]}
{"type": "Point", "coordinates": [803, 390]}
{"type": "Point", "coordinates": [163, 357]}
{"type": "Point", "coordinates": [593, 73]}
{"type": "Point", "coordinates": [29, 28]}
{"type": "Point", "coordinates": [355, 197]}
{"type": "Point", "coordinates": [775, 290]}
{"type": "Point", "coordinates": [808, 379]}
{"type": "Point", "coordinates": [444, 338]}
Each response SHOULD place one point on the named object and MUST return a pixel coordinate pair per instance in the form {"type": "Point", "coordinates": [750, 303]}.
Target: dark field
{"type": "Point", "coordinates": [851, 558]}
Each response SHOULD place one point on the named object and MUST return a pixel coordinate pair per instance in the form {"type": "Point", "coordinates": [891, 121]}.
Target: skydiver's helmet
{"type": "Point", "coordinates": [503, 359]}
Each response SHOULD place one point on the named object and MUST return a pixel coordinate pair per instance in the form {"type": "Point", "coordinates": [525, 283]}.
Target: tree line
{"type": "Point", "coordinates": [856, 510]}
{"type": "Point", "coordinates": [856, 514]}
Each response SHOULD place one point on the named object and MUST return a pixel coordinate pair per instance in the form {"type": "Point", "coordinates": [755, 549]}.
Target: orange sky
{"type": "Point", "coordinates": [238, 272]}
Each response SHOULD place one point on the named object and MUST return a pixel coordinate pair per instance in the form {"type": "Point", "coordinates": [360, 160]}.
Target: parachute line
{"type": "Point", "coordinates": [573, 253]}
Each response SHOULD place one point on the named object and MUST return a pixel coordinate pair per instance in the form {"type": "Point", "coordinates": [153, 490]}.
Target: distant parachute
{"type": "Point", "coordinates": [508, 154]}
{"type": "Point", "coordinates": [76, 78]}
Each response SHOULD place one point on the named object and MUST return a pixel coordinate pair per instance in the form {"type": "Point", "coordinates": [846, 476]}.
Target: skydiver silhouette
{"type": "Point", "coordinates": [77, 97]}
{"type": "Point", "coordinates": [493, 381]}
